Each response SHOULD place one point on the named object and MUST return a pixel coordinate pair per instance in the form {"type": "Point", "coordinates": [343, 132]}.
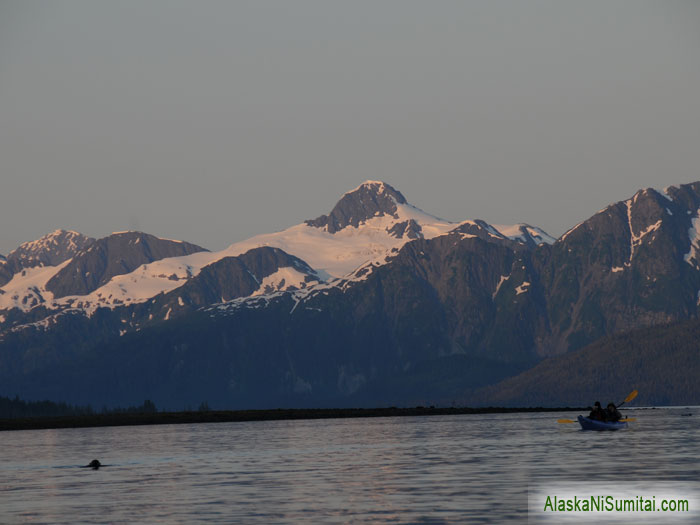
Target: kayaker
{"type": "Point", "coordinates": [597, 414]}
{"type": "Point", "coordinates": [612, 414]}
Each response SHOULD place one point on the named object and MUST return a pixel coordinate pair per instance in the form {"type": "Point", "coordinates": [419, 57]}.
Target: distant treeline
{"type": "Point", "coordinates": [18, 408]}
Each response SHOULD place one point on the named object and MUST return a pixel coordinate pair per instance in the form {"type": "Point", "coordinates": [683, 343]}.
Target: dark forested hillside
{"type": "Point", "coordinates": [662, 362]}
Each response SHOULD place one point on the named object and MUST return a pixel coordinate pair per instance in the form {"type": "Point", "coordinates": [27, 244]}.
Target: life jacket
{"type": "Point", "coordinates": [597, 414]}
{"type": "Point", "coordinates": [612, 415]}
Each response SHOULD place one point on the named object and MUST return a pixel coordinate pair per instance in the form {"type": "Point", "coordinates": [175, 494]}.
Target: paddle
{"type": "Point", "coordinates": [629, 398]}
{"type": "Point", "coordinates": [572, 421]}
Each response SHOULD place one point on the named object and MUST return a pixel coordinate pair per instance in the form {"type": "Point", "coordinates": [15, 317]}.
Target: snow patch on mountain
{"type": "Point", "coordinates": [521, 232]}
{"type": "Point", "coordinates": [637, 238]}
{"type": "Point", "coordinates": [338, 254]}
{"type": "Point", "coordinates": [666, 192]}
{"type": "Point", "coordinates": [27, 288]}
{"type": "Point", "coordinates": [524, 287]}
{"type": "Point", "coordinates": [694, 236]}
{"type": "Point", "coordinates": [286, 278]}
{"type": "Point", "coordinates": [503, 279]}
{"type": "Point", "coordinates": [147, 281]}
{"type": "Point", "coordinates": [569, 232]}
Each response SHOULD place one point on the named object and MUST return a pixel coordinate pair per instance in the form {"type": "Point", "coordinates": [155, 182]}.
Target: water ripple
{"type": "Point", "coordinates": [451, 469]}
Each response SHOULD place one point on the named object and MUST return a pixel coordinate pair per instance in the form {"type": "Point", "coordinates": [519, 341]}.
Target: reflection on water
{"type": "Point", "coordinates": [453, 469]}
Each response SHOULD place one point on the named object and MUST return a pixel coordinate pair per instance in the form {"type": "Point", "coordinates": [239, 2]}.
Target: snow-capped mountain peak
{"type": "Point", "coordinates": [365, 225]}
{"type": "Point", "coordinates": [370, 199]}
{"type": "Point", "coordinates": [49, 250]}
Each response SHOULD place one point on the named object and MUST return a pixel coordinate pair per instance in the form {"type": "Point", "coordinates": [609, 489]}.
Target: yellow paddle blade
{"type": "Point", "coordinates": [630, 397]}
{"type": "Point", "coordinates": [572, 421]}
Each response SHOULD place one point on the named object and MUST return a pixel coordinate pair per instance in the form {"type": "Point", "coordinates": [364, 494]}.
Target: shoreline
{"type": "Point", "coordinates": [233, 416]}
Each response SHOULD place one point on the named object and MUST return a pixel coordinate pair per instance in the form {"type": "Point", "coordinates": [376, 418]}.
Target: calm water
{"type": "Point", "coordinates": [452, 469]}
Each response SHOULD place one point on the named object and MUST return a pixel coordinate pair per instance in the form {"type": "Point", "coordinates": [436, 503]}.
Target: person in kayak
{"type": "Point", "coordinates": [612, 414]}
{"type": "Point", "coordinates": [597, 414]}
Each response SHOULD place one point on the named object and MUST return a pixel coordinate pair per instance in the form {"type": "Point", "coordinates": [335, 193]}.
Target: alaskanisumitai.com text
{"type": "Point", "coordinates": [612, 504]}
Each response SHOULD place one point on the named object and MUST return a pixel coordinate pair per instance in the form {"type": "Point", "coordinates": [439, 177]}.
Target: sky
{"type": "Point", "coordinates": [215, 121]}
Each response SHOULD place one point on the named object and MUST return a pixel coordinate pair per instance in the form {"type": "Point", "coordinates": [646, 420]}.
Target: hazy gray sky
{"type": "Point", "coordinates": [214, 121]}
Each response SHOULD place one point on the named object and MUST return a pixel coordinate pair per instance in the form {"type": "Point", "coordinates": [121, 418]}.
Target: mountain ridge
{"type": "Point", "coordinates": [427, 309]}
{"type": "Point", "coordinates": [367, 225]}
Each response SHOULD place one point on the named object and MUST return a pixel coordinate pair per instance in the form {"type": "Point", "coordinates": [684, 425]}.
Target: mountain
{"type": "Point", "coordinates": [50, 250]}
{"type": "Point", "coordinates": [376, 302]}
{"type": "Point", "coordinates": [631, 264]}
{"type": "Point", "coordinates": [118, 254]}
{"type": "Point", "coordinates": [367, 225]}
{"type": "Point", "coordinates": [85, 270]}
{"type": "Point", "coordinates": [259, 272]}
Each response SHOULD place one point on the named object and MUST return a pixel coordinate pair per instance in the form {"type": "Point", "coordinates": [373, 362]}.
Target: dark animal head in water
{"type": "Point", "coordinates": [95, 464]}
